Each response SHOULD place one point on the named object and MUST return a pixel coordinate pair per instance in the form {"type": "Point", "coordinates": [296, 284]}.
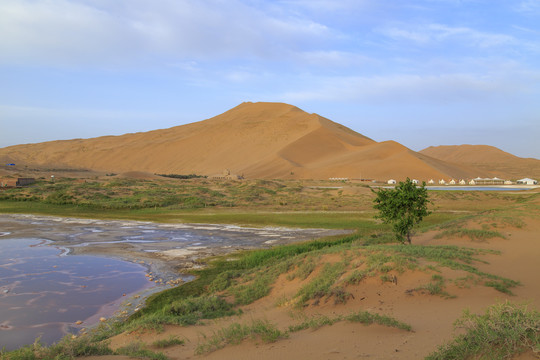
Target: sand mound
{"type": "Point", "coordinates": [486, 158]}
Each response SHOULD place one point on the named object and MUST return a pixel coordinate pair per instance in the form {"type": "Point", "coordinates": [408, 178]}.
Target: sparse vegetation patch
{"type": "Point", "coordinates": [504, 330]}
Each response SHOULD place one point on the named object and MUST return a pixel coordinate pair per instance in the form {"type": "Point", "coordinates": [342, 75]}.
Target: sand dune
{"type": "Point", "coordinates": [487, 158]}
{"type": "Point", "coordinates": [258, 140]}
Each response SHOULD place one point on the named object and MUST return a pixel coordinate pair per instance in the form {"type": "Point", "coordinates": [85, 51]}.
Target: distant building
{"type": "Point", "coordinates": [16, 182]}
{"type": "Point", "coordinates": [392, 182]}
{"type": "Point", "coordinates": [414, 181]}
{"type": "Point", "coordinates": [338, 179]}
{"type": "Point", "coordinates": [527, 181]}
{"type": "Point", "coordinates": [488, 181]}
{"type": "Point", "coordinates": [462, 182]}
{"type": "Point", "coordinates": [442, 182]}
{"type": "Point", "coordinates": [25, 181]}
{"type": "Point", "coordinates": [508, 182]}
{"type": "Point", "coordinates": [226, 175]}
{"type": "Point", "coordinates": [472, 182]}
{"type": "Point", "coordinates": [452, 182]}
{"type": "Point", "coordinates": [431, 181]}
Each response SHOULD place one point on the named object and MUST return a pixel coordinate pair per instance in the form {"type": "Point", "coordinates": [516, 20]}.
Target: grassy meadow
{"type": "Point", "coordinates": [326, 269]}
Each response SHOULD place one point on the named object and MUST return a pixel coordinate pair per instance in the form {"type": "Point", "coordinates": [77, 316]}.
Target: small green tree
{"type": "Point", "coordinates": [403, 206]}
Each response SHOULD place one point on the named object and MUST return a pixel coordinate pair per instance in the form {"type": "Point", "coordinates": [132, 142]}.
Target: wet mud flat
{"type": "Point", "coordinates": [60, 275]}
{"type": "Point", "coordinates": [166, 249]}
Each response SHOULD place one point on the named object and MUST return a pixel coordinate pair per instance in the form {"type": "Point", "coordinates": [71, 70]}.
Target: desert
{"type": "Point", "coordinates": [354, 295]}
{"type": "Point", "coordinates": [254, 235]}
{"type": "Point", "coordinates": [292, 179]}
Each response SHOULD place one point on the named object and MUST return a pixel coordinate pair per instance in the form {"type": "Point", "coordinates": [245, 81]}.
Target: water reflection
{"type": "Point", "coordinates": [43, 294]}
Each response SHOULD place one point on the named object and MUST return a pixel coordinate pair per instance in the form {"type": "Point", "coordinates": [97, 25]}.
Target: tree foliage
{"type": "Point", "coordinates": [403, 206]}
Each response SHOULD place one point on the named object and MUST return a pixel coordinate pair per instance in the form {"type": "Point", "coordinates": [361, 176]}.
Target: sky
{"type": "Point", "coordinates": [420, 72]}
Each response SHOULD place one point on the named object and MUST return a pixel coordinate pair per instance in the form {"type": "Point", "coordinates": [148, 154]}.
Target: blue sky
{"type": "Point", "coordinates": [420, 72]}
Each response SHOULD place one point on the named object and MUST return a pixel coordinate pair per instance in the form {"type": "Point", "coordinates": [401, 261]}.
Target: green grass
{"type": "Point", "coordinates": [436, 287]}
{"type": "Point", "coordinates": [300, 219]}
{"type": "Point", "coordinates": [236, 333]}
{"type": "Point", "coordinates": [362, 317]}
{"type": "Point", "coordinates": [249, 275]}
{"type": "Point", "coordinates": [170, 341]}
{"type": "Point", "coordinates": [367, 318]}
{"type": "Point", "coordinates": [185, 311]}
{"type": "Point", "coordinates": [473, 234]}
{"type": "Point", "coordinates": [67, 348]}
{"type": "Point", "coordinates": [320, 286]}
{"type": "Point", "coordinates": [139, 351]}
{"type": "Point", "coordinates": [504, 331]}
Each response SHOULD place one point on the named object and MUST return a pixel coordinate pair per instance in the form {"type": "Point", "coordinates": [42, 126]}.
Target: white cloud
{"type": "Point", "coordinates": [332, 58]}
{"type": "Point", "coordinates": [529, 6]}
{"type": "Point", "coordinates": [436, 33]}
{"type": "Point", "coordinates": [323, 6]}
{"type": "Point", "coordinates": [417, 89]}
{"type": "Point", "coordinates": [66, 32]}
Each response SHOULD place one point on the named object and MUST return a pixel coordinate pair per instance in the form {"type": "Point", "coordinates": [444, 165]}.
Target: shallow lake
{"type": "Point", "coordinates": [477, 188]}
{"type": "Point", "coordinates": [57, 271]}
{"type": "Point", "coordinates": [43, 292]}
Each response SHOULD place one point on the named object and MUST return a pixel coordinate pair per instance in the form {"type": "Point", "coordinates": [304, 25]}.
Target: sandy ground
{"type": "Point", "coordinates": [431, 317]}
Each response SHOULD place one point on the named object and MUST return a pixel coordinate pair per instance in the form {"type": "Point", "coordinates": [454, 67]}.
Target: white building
{"type": "Point", "coordinates": [488, 181]}
{"type": "Point", "coordinates": [414, 181]}
{"type": "Point", "coordinates": [527, 181]}
{"type": "Point", "coordinates": [472, 182]}
{"type": "Point", "coordinates": [462, 182]}
{"type": "Point", "coordinates": [442, 182]}
{"type": "Point", "coordinates": [431, 181]}
{"type": "Point", "coordinates": [392, 182]}
{"type": "Point", "coordinates": [452, 182]}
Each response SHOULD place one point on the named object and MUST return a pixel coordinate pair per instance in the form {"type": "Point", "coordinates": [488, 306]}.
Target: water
{"type": "Point", "coordinates": [476, 188]}
{"type": "Point", "coordinates": [48, 280]}
{"type": "Point", "coordinates": [43, 293]}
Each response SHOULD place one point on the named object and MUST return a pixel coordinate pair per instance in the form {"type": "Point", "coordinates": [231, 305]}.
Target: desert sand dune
{"type": "Point", "coordinates": [258, 140]}
{"type": "Point", "coordinates": [487, 158]}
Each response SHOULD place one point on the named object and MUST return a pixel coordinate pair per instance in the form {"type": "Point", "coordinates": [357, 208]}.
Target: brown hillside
{"type": "Point", "coordinates": [259, 140]}
{"type": "Point", "coordinates": [487, 158]}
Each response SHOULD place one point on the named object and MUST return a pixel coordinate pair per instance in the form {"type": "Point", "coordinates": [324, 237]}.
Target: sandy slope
{"type": "Point", "coordinates": [487, 158]}
{"type": "Point", "coordinates": [431, 317]}
{"type": "Point", "coordinates": [258, 140]}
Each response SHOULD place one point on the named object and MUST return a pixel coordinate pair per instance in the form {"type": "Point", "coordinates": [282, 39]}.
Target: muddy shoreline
{"type": "Point", "coordinates": [167, 250]}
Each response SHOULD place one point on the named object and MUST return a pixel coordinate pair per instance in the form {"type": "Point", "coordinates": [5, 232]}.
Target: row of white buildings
{"type": "Point", "coordinates": [476, 181]}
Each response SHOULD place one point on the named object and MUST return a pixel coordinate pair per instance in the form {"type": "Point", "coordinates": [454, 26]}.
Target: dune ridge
{"type": "Point", "coordinates": [257, 140]}
{"type": "Point", "coordinates": [487, 158]}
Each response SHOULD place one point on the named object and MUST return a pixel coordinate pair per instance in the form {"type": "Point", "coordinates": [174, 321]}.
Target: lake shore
{"type": "Point", "coordinates": [167, 251]}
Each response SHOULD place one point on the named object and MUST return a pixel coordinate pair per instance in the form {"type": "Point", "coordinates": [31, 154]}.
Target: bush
{"type": "Point", "coordinates": [502, 332]}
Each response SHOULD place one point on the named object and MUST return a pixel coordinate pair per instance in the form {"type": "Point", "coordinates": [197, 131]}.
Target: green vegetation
{"type": "Point", "coordinates": [170, 341]}
{"type": "Point", "coordinates": [183, 177]}
{"type": "Point", "coordinates": [320, 286]}
{"type": "Point", "coordinates": [236, 333]}
{"type": "Point", "coordinates": [186, 311]}
{"type": "Point", "coordinates": [326, 269]}
{"type": "Point", "coordinates": [267, 332]}
{"type": "Point", "coordinates": [404, 207]}
{"type": "Point", "coordinates": [362, 317]}
{"type": "Point", "coordinates": [504, 330]}
{"type": "Point", "coordinates": [473, 234]}
{"type": "Point", "coordinates": [67, 348]}
{"type": "Point", "coordinates": [139, 350]}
